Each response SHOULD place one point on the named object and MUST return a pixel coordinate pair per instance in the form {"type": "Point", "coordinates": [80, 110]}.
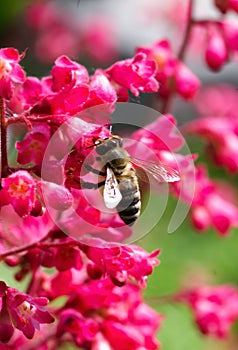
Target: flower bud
{"type": "Point", "coordinates": [216, 51]}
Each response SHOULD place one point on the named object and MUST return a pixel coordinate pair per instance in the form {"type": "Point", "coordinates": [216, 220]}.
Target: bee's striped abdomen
{"type": "Point", "coordinates": [130, 205]}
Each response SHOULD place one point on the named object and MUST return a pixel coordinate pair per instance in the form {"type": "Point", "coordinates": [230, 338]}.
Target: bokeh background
{"type": "Point", "coordinates": [47, 29]}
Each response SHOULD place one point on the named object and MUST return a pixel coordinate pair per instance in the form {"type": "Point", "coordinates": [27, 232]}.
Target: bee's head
{"type": "Point", "coordinates": [105, 145]}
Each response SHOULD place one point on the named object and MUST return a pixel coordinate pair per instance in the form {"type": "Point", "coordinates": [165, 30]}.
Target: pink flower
{"type": "Point", "coordinates": [230, 33]}
{"type": "Point", "coordinates": [49, 43]}
{"type": "Point", "coordinates": [99, 310]}
{"type": "Point", "coordinates": [101, 90]}
{"type": "Point", "coordinates": [65, 71]}
{"type": "Point", "coordinates": [156, 142]}
{"type": "Point", "coordinates": [213, 205]}
{"type": "Point", "coordinates": [17, 232]}
{"type": "Point", "coordinates": [11, 72]}
{"type": "Point", "coordinates": [172, 74]}
{"type": "Point", "coordinates": [19, 190]}
{"type": "Point", "coordinates": [99, 41]}
{"type": "Point", "coordinates": [21, 311]}
{"type": "Point", "coordinates": [80, 328]}
{"type": "Point", "coordinates": [221, 135]}
{"type": "Point", "coordinates": [186, 83]}
{"type": "Point", "coordinates": [215, 308]}
{"type": "Point", "coordinates": [122, 262]}
{"type": "Point", "coordinates": [136, 74]}
{"type": "Point", "coordinates": [33, 146]}
{"type": "Point", "coordinates": [216, 51]}
{"type": "Point", "coordinates": [226, 5]}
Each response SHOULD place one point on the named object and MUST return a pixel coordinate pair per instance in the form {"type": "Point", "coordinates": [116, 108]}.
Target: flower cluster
{"type": "Point", "coordinates": [215, 308]}
{"type": "Point", "coordinates": [88, 38]}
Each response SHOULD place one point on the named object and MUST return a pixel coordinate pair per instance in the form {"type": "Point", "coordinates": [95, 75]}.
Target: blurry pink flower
{"type": "Point", "coordinates": [19, 190]}
{"type": "Point", "coordinates": [98, 40]}
{"type": "Point", "coordinates": [216, 51]}
{"type": "Point", "coordinates": [136, 74]}
{"type": "Point", "coordinates": [222, 138]}
{"type": "Point", "coordinates": [57, 41]}
{"type": "Point", "coordinates": [21, 311]}
{"type": "Point", "coordinates": [10, 71]}
{"type": "Point", "coordinates": [186, 83]}
{"type": "Point", "coordinates": [218, 100]}
{"type": "Point", "coordinates": [33, 146]}
{"type": "Point", "coordinates": [226, 5]}
{"type": "Point", "coordinates": [215, 308]}
{"type": "Point", "coordinates": [42, 14]}
{"type": "Point", "coordinates": [230, 33]}
{"type": "Point", "coordinates": [82, 329]}
{"type": "Point", "coordinates": [213, 205]}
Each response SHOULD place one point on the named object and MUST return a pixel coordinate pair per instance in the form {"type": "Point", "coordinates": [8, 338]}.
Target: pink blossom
{"type": "Point", "coordinates": [49, 43]}
{"type": "Point", "coordinates": [19, 233]}
{"type": "Point", "coordinates": [56, 196]}
{"type": "Point", "coordinates": [150, 141]}
{"type": "Point", "coordinates": [65, 71]}
{"type": "Point", "coordinates": [33, 146]}
{"type": "Point", "coordinates": [19, 190]}
{"type": "Point", "coordinates": [230, 33]}
{"type": "Point", "coordinates": [213, 205]}
{"type": "Point", "coordinates": [216, 51]}
{"type": "Point", "coordinates": [98, 39]}
{"type": "Point", "coordinates": [11, 72]}
{"type": "Point", "coordinates": [186, 83]}
{"type": "Point", "coordinates": [221, 135]}
{"type": "Point", "coordinates": [215, 308]}
{"type": "Point", "coordinates": [23, 312]}
{"type": "Point", "coordinates": [136, 74]}
{"type": "Point", "coordinates": [80, 328]}
{"type": "Point", "coordinates": [100, 310]}
{"type": "Point", "coordinates": [101, 90]}
{"type": "Point", "coordinates": [172, 74]}
{"type": "Point", "coordinates": [122, 262]}
{"type": "Point", "coordinates": [68, 101]}
{"type": "Point", "coordinates": [218, 100]}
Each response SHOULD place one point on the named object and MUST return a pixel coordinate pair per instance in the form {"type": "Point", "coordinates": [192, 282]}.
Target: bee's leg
{"type": "Point", "coordinates": [94, 171]}
{"type": "Point", "coordinates": [91, 185]}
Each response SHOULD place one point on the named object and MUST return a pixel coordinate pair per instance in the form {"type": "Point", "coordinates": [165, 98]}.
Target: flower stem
{"type": "Point", "coordinates": [166, 106]}
{"type": "Point", "coordinates": [4, 162]}
{"type": "Point", "coordinates": [187, 33]}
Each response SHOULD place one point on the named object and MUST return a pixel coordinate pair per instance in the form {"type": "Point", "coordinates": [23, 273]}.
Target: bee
{"type": "Point", "coordinates": [121, 186]}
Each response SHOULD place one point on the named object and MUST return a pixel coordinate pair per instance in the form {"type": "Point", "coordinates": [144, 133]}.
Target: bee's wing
{"type": "Point", "coordinates": [111, 193]}
{"type": "Point", "coordinates": [159, 171]}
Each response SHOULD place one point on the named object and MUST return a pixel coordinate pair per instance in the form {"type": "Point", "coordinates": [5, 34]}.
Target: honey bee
{"type": "Point", "coordinates": [121, 185]}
